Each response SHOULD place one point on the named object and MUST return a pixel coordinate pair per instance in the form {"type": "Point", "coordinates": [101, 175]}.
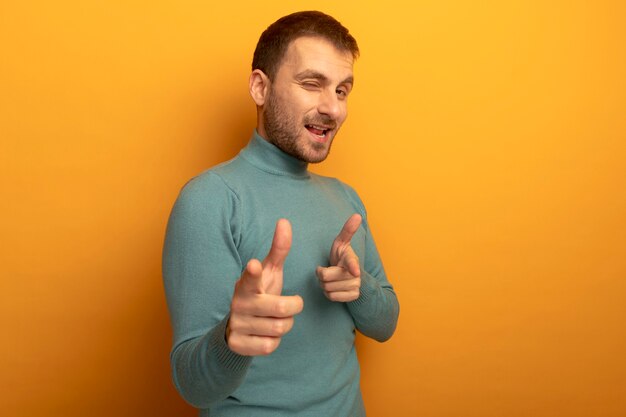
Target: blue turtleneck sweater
{"type": "Point", "coordinates": [222, 219]}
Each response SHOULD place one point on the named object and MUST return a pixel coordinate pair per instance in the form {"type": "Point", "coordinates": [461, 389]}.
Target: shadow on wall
{"type": "Point", "coordinates": [222, 125]}
{"type": "Point", "coordinates": [238, 114]}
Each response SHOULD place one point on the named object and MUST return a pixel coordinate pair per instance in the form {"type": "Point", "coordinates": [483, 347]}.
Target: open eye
{"type": "Point", "coordinates": [342, 92]}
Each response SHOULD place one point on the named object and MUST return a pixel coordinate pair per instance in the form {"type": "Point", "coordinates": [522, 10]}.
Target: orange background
{"type": "Point", "coordinates": [488, 140]}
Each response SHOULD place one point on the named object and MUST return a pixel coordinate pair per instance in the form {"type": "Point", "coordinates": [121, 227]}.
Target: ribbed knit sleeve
{"type": "Point", "coordinates": [376, 311]}
{"type": "Point", "coordinates": [200, 267]}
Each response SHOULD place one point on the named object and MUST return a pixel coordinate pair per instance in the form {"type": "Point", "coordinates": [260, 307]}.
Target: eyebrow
{"type": "Point", "coordinates": [321, 77]}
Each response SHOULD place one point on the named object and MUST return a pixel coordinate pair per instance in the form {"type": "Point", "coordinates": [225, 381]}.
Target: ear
{"type": "Point", "coordinates": [259, 85]}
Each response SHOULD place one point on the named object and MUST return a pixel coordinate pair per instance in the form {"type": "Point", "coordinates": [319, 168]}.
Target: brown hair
{"type": "Point", "coordinates": [275, 40]}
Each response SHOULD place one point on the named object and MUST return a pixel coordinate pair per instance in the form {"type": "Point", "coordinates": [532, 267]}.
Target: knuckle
{"type": "Point", "coordinates": [299, 304]}
{"type": "Point", "coordinates": [278, 327]}
{"type": "Point", "coordinates": [288, 325]}
{"type": "Point", "coordinates": [332, 296]}
{"type": "Point", "coordinates": [265, 348]}
{"type": "Point", "coordinates": [234, 323]}
{"type": "Point", "coordinates": [280, 307]}
{"type": "Point", "coordinates": [234, 343]}
{"type": "Point", "coordinates": [322, 273]}
{"type": "Point", "coordinates": [268, 346]}
{"type": "Point", "coordinates": [237, 305]}
{"type": "Point", "coordinates": [329, 275]}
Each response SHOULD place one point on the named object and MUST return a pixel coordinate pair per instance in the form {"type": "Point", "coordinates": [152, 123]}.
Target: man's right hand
{"type": "Point", "coordinates": [259, 314]}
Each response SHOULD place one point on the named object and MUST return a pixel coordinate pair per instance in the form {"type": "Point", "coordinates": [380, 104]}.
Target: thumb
{"type": "Point", "coordinates": [353, 266]}
{"type": "Point", "coordinates": [251, 277]}
{"type": "Point", "coordinates": [350, 261]}
{"type": "Point", "coordinates": [281, 244]}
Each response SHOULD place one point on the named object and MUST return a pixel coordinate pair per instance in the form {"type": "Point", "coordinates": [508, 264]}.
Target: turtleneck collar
{"type": "Point", "coordinates": [267, 157]}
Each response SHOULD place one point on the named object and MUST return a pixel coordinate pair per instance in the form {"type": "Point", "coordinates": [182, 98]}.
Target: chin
{"type": "Point", "coordinates": [317, 159]}
{"type": "Point", "coordinates": [315, 156]}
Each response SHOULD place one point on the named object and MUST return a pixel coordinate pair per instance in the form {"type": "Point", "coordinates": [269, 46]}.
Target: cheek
{"type": "Point", "coordinates": [344, 114]}
{"type": "Point", "coordinates": [299, 99]}
{"type": "Point", "coordinates": [297, 107]}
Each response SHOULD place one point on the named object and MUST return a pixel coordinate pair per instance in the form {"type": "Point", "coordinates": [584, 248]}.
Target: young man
{"type": "Point", "coordinates": [276, 337]}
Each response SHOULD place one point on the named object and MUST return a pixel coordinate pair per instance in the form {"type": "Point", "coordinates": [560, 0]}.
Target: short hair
{"type": "Point", "coordinates": [275, 40]}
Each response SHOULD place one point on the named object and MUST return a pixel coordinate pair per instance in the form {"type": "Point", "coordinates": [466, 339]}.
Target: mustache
{"type": "Point", "coordinates": [322, 120]}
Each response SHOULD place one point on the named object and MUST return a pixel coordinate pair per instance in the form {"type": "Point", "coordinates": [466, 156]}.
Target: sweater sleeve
{"type": "Point", "coordinates": [376, 311]}
{"type": "Point", "coordinates": [200, 267]}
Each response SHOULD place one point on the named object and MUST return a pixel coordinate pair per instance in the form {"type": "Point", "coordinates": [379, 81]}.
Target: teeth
{"type": "Point", "coordinates": [322, 129]}
{"type": "Point", "coordinates": [319, 127]}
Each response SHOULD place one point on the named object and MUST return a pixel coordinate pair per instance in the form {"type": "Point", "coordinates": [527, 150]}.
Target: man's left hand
{"type": "Point", "coordinates": [341, 281]}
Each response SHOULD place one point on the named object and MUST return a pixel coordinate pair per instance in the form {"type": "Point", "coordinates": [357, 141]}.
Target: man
{"type": "Point", "coordinates": [276, 337]}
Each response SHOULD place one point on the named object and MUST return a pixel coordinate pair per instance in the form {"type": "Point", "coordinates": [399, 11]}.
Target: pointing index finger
{"type": "Point", "coordinates": [280, 244]}
{"type": "Point", "coordinates": [349, 229]}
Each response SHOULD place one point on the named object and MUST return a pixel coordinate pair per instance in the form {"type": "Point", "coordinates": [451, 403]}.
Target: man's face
{"type": "Point", "coordinates": [306, 104]}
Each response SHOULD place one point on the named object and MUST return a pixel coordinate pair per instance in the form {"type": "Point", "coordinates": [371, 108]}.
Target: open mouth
{"type": "Point", "coordinates": [319, 131]}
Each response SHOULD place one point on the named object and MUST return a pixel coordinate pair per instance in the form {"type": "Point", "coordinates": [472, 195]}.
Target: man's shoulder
{"type": "Point", "coordinates": [333, 182]}
{"type": "Point", "coordinates": [210, 182]}
{"type": "Point", "coordinates": [341, 186]}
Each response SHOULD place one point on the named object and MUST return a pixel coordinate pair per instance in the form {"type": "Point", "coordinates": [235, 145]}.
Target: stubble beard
{"type": "Point", "coordinates": [283, 131]}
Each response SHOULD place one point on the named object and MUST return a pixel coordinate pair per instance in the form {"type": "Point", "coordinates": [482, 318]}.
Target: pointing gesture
{"type": "Point", "coordinates": [341, 281]}
{"type": "Point", "coordinates": [259, 314]}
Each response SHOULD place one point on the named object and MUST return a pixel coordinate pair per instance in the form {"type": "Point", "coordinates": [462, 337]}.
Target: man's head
{"type": "Point", "coordinates": [275, 40]}
{"type": "Point", "coordinates": [302, 75]}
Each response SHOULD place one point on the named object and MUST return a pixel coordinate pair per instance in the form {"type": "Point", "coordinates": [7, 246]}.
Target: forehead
{"type": "Point", "coordinates": [311, 53]}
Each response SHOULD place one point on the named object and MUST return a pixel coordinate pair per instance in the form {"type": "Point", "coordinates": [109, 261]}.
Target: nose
{"type": "Point", "coordinates": [330, 105]}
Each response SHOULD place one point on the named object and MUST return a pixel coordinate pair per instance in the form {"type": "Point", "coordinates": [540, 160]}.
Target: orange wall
{"type": "Point", "coordinates": [488, 140]}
